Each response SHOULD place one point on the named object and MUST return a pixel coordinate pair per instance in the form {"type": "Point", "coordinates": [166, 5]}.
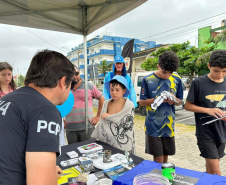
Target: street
{"type": "Point", "coordinates": [185, 117]}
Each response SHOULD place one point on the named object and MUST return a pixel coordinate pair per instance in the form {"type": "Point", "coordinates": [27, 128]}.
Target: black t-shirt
{"type": "Point", "coordinates": [28, 123]}
{"type": "Point", "coordinates": [207, 93]}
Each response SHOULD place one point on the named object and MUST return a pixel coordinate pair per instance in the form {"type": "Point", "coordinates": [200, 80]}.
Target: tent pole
{"type": "Point", "coordinates": [86, 85]}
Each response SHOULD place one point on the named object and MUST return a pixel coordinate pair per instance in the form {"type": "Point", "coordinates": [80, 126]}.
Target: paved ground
{"type": "Point", "coordinates": [187, 154]}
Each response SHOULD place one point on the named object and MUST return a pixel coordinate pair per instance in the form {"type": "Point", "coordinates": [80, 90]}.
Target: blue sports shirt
{"type": "Point", "coordinates": [160, 122]}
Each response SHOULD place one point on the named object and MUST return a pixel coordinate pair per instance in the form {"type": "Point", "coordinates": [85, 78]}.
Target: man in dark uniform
{"type": "Point", "coordinates": [30, 122]}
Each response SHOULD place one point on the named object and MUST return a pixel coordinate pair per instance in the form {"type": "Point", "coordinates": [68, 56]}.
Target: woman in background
{"type": "Point", "coordinates": [7, 83]}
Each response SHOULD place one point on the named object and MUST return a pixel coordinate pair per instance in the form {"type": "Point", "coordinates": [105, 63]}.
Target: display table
{"type": "Point", "coordinates": [147, 166]}
{"type": "Point", "coordinates": [68, 148]}
{"type": "Point", "coordinates": [143, 166]}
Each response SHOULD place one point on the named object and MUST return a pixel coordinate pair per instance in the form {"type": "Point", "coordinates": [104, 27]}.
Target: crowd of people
{"type": "Point", "coordinates": [30, 123]}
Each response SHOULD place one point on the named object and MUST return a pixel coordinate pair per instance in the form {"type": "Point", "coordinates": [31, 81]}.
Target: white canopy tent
{"type": "Point", "coordinates": [71, 16]}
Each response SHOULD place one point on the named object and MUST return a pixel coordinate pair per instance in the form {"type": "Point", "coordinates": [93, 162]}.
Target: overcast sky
{"type": "Point", "coordinates": [151, 21]}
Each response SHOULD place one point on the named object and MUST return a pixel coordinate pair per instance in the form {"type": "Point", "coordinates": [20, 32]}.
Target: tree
{"type": "Point", "coordinates": [20, 81]}
{"type": "Point", "coordinates": [188, 56]}
{"type": "Point", "coordinates": [221, 38]}
{"type": "Point", "coordinates": [104, 67]}
{"type": "Point", "coordinates": [203, 59]}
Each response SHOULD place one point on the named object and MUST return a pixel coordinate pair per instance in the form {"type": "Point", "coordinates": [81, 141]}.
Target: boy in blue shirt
{"type": "Point", "coordinates": [159, 123]}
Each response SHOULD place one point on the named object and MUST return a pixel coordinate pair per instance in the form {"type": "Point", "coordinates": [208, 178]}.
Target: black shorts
{"type": "Point", "coordinates": [159, 146]}
{"type": "Point", "coordinates": [210, 149]}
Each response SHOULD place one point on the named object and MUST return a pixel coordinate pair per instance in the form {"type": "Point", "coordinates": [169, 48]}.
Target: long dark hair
{"type": "Point", "coordinates": [3, 66]}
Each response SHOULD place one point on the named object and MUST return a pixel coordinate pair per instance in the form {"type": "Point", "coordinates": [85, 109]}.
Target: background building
{"type": "Point", "coordinates": [140, 56]}
{"type": "Point", "coordinates": [207, 33]}
{"type": "Point", "coordinates": [106, 48]}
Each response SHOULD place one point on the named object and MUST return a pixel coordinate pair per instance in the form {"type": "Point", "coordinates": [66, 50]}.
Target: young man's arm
{"type": "Point", "coordinates": [146, 102]}
{"type": "Point", "coordinates": [105, 115]}
{"type": "Point", "coordinates": [97, 95]}
{"type": "Point", "coordinates": [41, 168]}
{"type": "Point", "coordinates": [179, 102]}
{"type": "Point", "coordinates": [197, 109]}
{"type": "Point", "coordinates": [173, 102]}
{"type": "Point", "coordinates": [96, 119]}
{"type": "Point", "coordinates": [100, 105]}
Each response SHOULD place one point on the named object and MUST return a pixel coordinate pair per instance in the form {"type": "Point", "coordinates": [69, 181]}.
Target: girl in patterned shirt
{"type": "Point", "coordinates": [7, 83]}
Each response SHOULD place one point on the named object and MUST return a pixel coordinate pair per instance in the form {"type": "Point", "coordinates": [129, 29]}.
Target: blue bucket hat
{"type": "Point", "coordinates": [121, 80]}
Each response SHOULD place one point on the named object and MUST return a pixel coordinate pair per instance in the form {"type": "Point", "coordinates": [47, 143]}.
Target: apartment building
{"type": "Point", "coordinates": [102, 48]}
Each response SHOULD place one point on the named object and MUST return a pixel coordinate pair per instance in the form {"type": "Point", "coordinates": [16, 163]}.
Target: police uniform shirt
{"type": "Point", "coordinates": [28, 123]}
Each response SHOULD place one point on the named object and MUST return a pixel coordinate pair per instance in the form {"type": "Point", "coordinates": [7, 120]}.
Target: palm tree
{"type": "Point", "coordinates": [203, 59]}
{"type": "Point", "coordinates": [221, 38]}
{"type": "Point", "coordinates": [104, 67]}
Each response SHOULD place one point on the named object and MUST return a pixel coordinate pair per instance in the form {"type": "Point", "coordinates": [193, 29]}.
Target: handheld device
{"type": "Point", "coordinates": [72, 154]}
{"type": "Point", "coordinates": [69, 162]}
{"type": "Point", "coordinates": [159, 100]}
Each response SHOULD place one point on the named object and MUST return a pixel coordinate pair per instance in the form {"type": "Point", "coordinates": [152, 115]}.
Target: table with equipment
{"type": "Point", "coordinates": [74, 147]}
{"type": "Point", "coordinates": [143, 166]}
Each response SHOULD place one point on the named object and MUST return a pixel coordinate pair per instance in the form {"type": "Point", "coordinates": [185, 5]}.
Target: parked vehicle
{"type": "Point", "coordinates": [137, 80]}
{"type": "Point", "coordinates": [186, 81]}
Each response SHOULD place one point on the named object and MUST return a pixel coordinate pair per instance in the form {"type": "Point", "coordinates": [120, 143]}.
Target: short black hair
{"type": "Point", "coordinates": [169, 61]}
{"type": "Point", "coordinates": [218, 58]}
{"type": "Point", "coordinates": [47, 67]}
{"type": "Point", "coordinates": [116, 82]}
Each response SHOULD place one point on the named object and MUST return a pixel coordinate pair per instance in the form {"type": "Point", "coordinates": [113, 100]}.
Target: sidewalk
{"type": "Point", "coordinates": [187, 152]}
